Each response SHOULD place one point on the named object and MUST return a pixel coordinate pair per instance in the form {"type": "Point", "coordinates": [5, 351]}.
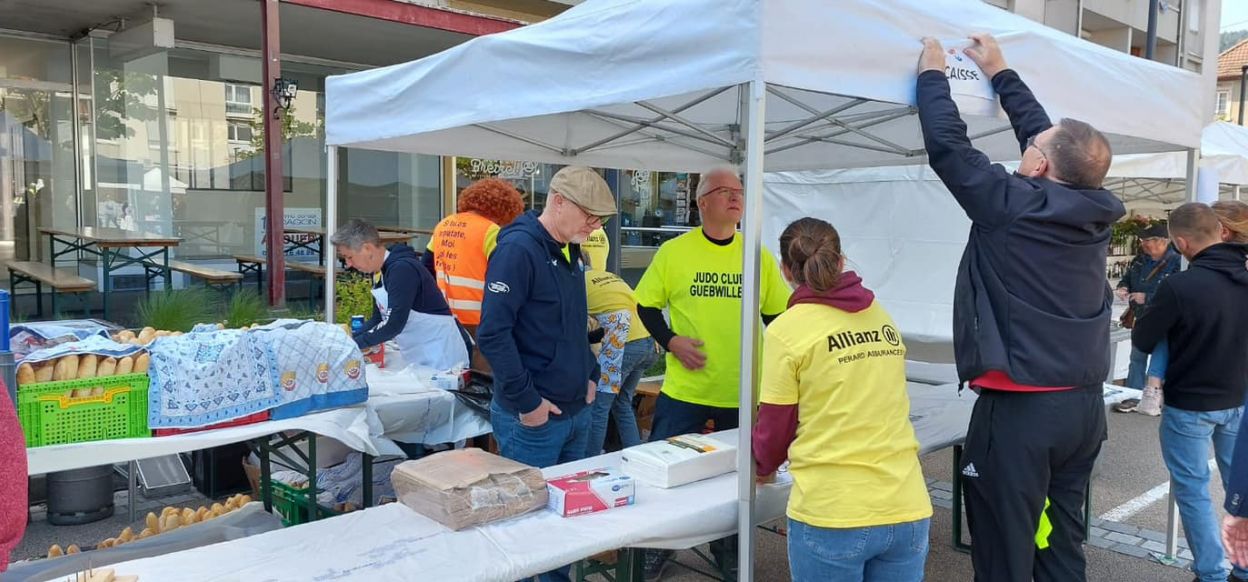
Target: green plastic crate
{"type": "Point", "coordinates": [292, 504]}
{"type": "Point", "coordinates": [51, 416]}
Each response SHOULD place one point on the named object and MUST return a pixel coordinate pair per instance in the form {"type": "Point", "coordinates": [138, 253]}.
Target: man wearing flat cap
{"type": "Point", "coordinates": [1156, 261]}
{"type": "Point", "coordinates": [533, 324]}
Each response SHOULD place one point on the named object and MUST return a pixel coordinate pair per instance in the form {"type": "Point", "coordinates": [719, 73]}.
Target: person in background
{"type": "Point", "coordinates": [533, 323]}
{"type": "Point", "coordinates": [407, 305]}
{"type": "Point", "coordinates": [1030, 319]}
{"type": "Point", "coordinates": [461, 245]}
{"type": "Point", "coordinates": [697, 277]}
{"type": "Point", "coordinates": [1233, 216]}
{"type": "Point", "coordinates": [838, 411]}
{"type": "Point", "coordinates": [627, 352]}
{"type": "Point", "coordinates": [1155, 262]}
{"type": "Point", "coordinates": [1201, 313]}
{"type": "Point", "coordinates": [13, 479]}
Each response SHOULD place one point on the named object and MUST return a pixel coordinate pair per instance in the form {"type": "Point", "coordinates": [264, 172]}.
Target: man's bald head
{"type": "Point", "coordinates": [1080, 154]}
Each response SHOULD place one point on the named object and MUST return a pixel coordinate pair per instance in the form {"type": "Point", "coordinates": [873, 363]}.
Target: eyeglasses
{"type": "Point", "coordinates": [1031, 143]}
{"type": "Point", "coordinates": [591, 220]}
{"type": "Point", "coordinates": [727, 192]}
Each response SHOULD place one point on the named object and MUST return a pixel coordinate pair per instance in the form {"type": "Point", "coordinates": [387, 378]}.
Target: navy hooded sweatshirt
{"type": "Point", "coordinates": [409, 287]}
{"type": "Point", "coordinates": [1031, 300]}
{"type": "Point", "coordinates": [533, 322]}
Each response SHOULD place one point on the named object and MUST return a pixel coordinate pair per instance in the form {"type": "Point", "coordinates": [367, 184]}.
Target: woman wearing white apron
{"type": "Point", "coordinates": [409, 307]}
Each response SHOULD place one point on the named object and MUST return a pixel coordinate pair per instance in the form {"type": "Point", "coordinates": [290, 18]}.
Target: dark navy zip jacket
{"type": "Point", "coordinates": [533, 322]}
{"type": "Point", "coordinates": [1031, 298]}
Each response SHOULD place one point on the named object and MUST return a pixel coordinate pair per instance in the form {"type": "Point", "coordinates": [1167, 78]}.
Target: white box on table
{"type": "Point", "coordinates": [679, 460]}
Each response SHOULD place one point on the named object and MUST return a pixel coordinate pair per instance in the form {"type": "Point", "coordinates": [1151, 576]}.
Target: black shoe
{"type": "Point", "coordinates": [1128, 405]}
{"type": "Point", "coordinates": [656, 561]}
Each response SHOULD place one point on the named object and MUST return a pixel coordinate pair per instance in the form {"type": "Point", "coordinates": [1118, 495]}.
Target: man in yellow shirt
{"type": "Point", "coordinates": [697, 278]}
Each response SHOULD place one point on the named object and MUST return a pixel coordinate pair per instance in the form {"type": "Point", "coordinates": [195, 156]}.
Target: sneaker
{"type": "Point", "coordinates": [1150, 402]}
{"type": "Point", "coordinates": [656, 561]}
{"type": "Point", "coordinates": [1128, 405]}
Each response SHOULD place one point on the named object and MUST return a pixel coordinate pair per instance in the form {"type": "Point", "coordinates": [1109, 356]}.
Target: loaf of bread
{"type": "Point", "coordinates": [25, 374]}
{"type": "Point", "coordinates": [88, 366]}
{"type": "Point", "coordinates": [125, 366]}
{"type": "Point", "coordinates": [106, 367]}
{"type": "Point", "coordinates": [141, 363]}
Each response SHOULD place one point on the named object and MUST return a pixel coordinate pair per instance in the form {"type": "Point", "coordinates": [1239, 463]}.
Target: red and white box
{"type": "Point", "coordinates": [589, 492]}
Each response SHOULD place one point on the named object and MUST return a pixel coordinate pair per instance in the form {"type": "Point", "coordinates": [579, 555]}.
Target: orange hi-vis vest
{"type": "Point", "coordinates": [459, 260]}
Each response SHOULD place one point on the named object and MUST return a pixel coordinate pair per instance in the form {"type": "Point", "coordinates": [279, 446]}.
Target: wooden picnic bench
{"type": "Point", "coordinates": [40, 274]}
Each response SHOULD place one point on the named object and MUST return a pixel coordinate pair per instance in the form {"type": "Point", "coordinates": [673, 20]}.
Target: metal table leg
{"type": "Point", "coordinates": [133, 490]}
{"type": "Point", "coordinates": [367, 476]}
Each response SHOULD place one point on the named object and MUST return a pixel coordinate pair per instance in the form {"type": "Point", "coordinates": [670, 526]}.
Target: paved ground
{"type": "Point", "coordinates": [1130, 467]}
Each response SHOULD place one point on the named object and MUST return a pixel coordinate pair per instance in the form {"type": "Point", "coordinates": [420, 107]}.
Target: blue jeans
{"type": "Point", "coordinates": [1137, 371]}
{"type": "Point", "coordinates": [887, 553]}
{"type": "Point", "coordinates": [1185, 438]}
{"type": "Point", "coordinates": [1159, 360]}
{"type": "Point", "coordinates": [560, 440]}
{"type": "Point", "coordinates": [639, 355]}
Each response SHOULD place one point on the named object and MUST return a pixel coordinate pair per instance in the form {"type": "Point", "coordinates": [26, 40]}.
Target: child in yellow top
{"type": "Point", "coordinates": [834, 403]}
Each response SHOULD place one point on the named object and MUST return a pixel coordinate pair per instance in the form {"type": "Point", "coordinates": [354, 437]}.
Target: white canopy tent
{"type": "Point", "coordinates": [775, 84]}
{"type": "Point", "coordinates": [1161, 178]}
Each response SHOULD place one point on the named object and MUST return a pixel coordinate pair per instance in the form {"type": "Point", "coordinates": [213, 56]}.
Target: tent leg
{"type": "Point", "coordinates": [331, 225]}
{"type": "Point", "coordinates": [753, 107]}
{"type": "Point", "coordinates": [1237, 192]}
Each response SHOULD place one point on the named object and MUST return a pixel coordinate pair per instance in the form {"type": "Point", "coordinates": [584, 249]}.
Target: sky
{"type": "Point", "coordinates": [1234, 15]}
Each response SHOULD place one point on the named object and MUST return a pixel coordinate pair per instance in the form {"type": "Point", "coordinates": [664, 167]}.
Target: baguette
{"type": "Point", "coordinates": [148, 532]}
{"type": "Point", "coordinates": [43, 373]}
{"type": "Point", "coordinates": [66, 369]}
{"type": "Point", "coordinates": [141, 363]}
{"type": "Point", "coordinates": [88, 366]}
{"type": "Point", "coordinates": [97, 391]}
{"type": "Point", "coordinates": [147, 335]}
{"type": "Point", "coordinates": [25, 374]}
{"type": "Point", "coordinates": [108, 543]}
{"type": "Point", "coordinates": [55, 551]}
{"type": "Point", "coordinates": [107, 367]}
{"type": "Point", "coordinates": [188, 516]}
{"type": "Point", "coordinates": [126, 535]}
{"type": "Point", "coordinates": [125, 366]}
{"type": "Point", "coordinates": [72, 549]}
{"type": "Point", "coordinates": [125, 336]}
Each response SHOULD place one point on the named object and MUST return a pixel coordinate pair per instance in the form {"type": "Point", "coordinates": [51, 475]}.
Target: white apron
{"type": "Point", "coordinates": [430, 341]}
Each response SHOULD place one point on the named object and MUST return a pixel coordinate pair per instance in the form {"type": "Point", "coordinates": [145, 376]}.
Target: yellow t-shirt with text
{"type": "Point", "coordinates": [855, 460]}
{"type": "Point", "coordinates": [699, 282]}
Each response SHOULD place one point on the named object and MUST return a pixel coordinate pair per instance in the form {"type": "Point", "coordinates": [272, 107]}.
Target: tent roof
{"type": "Point", "coordinates": [657, 84]}
{"type": "Point", "coordinates": [1223, 147]}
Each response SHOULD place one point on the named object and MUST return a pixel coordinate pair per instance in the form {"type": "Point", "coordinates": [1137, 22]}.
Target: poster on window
{"type": "Point", "coordinates": [295, 218]}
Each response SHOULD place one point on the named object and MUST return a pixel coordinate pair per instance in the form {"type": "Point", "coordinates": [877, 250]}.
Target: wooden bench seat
{"type": "Point", "coordinates": [313, 268]}
{"type": "Point", "coordinates": [212, 276]}
{"type": "Point", "coordinates": [40, 274]}
{"type": "Point", "coordinates": [250, 259]}
{"type": "Point", "coordinates": [59, 279]}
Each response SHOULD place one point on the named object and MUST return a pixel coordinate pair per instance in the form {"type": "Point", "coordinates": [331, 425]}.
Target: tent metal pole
{"type": "Point", "coordinates": [331, 225]}
{"type": "Point", "coordinates": [754, 107]}
{"type": "Point", "coordinates": [1236, 192]}
{"type": "Point", "coordinates": [1172, 518]}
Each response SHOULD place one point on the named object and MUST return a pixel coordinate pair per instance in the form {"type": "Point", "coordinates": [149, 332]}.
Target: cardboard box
{"type": "Point", "coordinates": [467, 487]}
{"type": "Point", "coordinates": [589, 492]}
{"type": "Point", "coordinates": [679, 460]}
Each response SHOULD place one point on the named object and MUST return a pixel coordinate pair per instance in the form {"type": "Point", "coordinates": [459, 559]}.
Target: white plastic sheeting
{"type": "Point", "coordinates": [1223, 147]}
{"type": "Point", "coordinates": [841, 82]}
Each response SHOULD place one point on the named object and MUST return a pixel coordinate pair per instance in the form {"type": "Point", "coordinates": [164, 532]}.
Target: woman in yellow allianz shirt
{"type": "Point", "coordinates": [834, 404]}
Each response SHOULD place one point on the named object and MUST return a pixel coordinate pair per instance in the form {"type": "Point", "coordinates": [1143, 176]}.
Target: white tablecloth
{"type": "Point", "coordinates": [349, 425]}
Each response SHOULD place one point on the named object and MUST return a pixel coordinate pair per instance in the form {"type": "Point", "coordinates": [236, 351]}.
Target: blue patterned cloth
{"type": "Point", "coordinates": [611, 355]}
{"type": "Point", "coordinates": [207, 378]}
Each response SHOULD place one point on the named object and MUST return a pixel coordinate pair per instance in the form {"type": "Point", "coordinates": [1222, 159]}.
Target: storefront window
{"type": "Point", "coordinates": [179, 149]}
{"type": "Point", "coordinates": [37, 119]}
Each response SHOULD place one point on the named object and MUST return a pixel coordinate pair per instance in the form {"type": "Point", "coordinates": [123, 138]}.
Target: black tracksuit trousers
{"type": "Point", "coordinates": [1021, 449]}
